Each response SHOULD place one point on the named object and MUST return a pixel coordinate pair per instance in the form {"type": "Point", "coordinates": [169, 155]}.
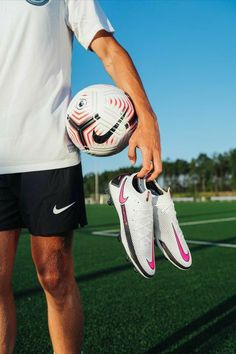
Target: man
{"type": "Point", "coordinates": [40, 172]}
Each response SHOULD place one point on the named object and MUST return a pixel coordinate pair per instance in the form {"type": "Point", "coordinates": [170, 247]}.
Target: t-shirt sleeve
{"type": "Point", "coordinates": [85, 18]}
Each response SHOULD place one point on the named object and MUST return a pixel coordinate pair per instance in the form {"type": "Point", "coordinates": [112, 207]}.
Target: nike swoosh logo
{"type": "Point", "coordinates": [152, 263]}
{"type": "Point", "coordinates": [58, 211]}
{"type": "Point", "coordinates": [122, 199]}
{"type": "Point", "coordinates": [100, 139]}
{"type": "Point", "coordinates": [184, 255]}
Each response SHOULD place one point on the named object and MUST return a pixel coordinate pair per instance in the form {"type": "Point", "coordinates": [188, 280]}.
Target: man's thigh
{"type": "Point", "coordinates": [52, 257]}
{"type": "Point", "coordinates": [8, 246]}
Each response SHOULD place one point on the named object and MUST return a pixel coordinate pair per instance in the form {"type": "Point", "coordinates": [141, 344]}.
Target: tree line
{"type": "Point", "coordinates": [202, 174]}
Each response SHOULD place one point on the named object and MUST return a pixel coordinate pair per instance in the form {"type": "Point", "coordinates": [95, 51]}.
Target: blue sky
{"type": "Point", "coordinates": [185, 53]}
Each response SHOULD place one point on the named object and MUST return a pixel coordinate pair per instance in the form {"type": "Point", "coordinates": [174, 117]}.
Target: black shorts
{"type": "Point", "coordinates": [46, 202]}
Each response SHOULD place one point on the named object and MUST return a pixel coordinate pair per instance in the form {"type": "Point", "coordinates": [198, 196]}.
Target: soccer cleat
{"type": "Point", "coordinates": [167, 232]}
{"type": "Point", "coordinates": [134, 209]}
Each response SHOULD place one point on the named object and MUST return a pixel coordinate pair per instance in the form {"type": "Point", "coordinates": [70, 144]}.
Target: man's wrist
{"type": "Point", "coordinates": [146, 115]}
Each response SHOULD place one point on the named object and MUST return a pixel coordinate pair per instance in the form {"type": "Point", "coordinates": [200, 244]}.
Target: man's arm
{"type": "Point", "coordinates": [120, 67]}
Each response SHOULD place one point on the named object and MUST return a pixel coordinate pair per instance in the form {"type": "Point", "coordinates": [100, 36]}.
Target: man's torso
{"type": "Point", "coordinates": [35, 69]}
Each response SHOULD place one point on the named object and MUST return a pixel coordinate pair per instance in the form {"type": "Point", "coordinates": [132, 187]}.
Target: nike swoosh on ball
{"type": "Point", "coordinates": [100, 139]}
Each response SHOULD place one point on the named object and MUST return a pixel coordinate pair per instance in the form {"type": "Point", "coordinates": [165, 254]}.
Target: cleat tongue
{"type": "Point", "coordinates": [141, 185]}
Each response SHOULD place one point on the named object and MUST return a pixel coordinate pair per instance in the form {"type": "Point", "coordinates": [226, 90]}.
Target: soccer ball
{"type": "Point", "coordinates": [101, 119]}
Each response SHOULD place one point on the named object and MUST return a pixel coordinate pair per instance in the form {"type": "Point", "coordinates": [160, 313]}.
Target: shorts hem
{"type": "Point", "coordinates": [60, 233]}
{"type": "Point", "coordinates": [41, 166]}
{"type": "Point", "coordinates": [10, 228]}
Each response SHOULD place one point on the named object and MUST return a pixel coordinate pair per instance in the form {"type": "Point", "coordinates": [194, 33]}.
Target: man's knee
{"type": "Point", "coordinates": [55, 272]}
{"type": "Point", "coordinates": [55, 283]}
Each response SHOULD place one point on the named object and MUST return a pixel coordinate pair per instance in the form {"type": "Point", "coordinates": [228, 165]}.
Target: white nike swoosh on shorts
{"type": "Point", "coordinates": [58, 211]}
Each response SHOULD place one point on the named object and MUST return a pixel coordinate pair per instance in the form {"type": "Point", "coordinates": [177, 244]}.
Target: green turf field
{"type": "Point", "coordinates": [177, 311]}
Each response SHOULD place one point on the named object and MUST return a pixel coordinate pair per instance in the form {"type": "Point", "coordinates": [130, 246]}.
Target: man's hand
{"type": "Point", "coordinates": [147, 138]}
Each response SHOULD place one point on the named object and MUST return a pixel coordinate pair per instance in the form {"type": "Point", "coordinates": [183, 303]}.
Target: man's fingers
{"type": "Point", "coordinates": [157, 169]}
{"type": "Point", "coordinates": [132, 153]}
{"type": "Point", "coordinates": [147, 164]}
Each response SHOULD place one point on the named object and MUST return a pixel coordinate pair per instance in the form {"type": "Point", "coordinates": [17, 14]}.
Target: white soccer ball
{"type": "Point", "coordinates": [101, 119]}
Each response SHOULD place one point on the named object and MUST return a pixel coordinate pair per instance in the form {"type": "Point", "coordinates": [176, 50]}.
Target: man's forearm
{"type": "Point", "coordinates": [120, 67]}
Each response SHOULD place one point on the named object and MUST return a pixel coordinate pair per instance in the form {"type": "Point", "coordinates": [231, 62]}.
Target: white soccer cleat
{"type": "Point", "coordinates": [134, 209]}
{"type": "Point", "coordinates": [168, 234]}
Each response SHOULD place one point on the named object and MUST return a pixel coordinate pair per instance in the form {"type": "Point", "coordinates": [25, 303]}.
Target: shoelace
{"type": "Point", "coordinates": [143, 228]}
{"type": "Point", "coordinates": [169, 209]}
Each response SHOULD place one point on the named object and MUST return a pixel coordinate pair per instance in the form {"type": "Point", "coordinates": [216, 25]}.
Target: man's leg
{"type": "Point", "coordinates": [8, 245]}
{"type": "Point", "coordinates": [54, 264]}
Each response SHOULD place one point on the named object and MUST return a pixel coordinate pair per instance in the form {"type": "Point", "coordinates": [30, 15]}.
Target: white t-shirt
{"type": "Point", "coordinates": [35, 79]}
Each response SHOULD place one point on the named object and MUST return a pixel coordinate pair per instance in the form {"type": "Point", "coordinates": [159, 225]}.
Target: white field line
{"type": "Point", "coordinates": [110, 233]}
{"type": "Point", "coordinates": [206, 243]}
{"type": "Point", "coordinates": [187, 223]}
{"type": "Point", "coordinates": [211, 221]}
{"type": "Point", "coordinates": [114, 232]}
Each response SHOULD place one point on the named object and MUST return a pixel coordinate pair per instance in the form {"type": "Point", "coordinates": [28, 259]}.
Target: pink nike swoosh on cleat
{"type": "Point", "coordinates": [184, 255]}
{"type": "Point", "coordinates": [122, 199]}
{"type": "Point", "coordinates": [152, 263]}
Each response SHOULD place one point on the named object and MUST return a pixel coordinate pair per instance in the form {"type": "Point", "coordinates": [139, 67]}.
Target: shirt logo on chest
{"type": "Point", "coordinates": [37, 2]}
